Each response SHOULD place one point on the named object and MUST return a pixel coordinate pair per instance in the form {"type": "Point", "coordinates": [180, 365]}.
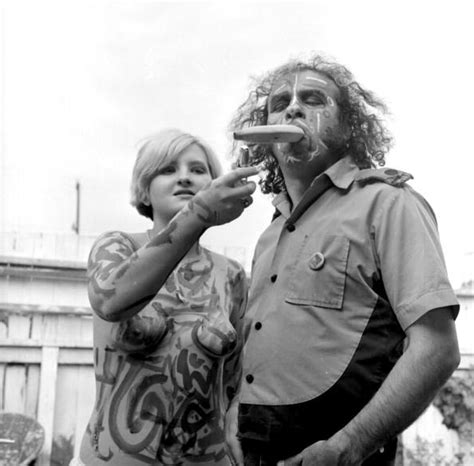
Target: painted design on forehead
{"type": "Point", "coordinates": [322, 81]}
{"type": "Point", "coordinates": [330, 102]}
{"type": "Point", "coordinates": [295, 85]}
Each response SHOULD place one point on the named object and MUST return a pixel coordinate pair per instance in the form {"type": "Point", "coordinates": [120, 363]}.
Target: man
{"type": "Point", "coordinates": [352, 314]}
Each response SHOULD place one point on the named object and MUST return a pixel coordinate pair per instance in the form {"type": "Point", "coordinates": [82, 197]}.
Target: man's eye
{"type": "Point", "coordinates": [279, 107]}
{"type": "Point", "coordinates": [314, 99]}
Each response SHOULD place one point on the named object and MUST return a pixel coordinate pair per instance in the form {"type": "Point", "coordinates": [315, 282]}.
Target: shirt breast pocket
{"type": "Point", "coordinates": [318, 277]}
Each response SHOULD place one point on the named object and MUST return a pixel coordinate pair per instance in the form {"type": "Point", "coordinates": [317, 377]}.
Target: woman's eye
{"type": "Point", "coordinates": [167, 170]}
{"type": "Point", "coordinates": [198, 170]}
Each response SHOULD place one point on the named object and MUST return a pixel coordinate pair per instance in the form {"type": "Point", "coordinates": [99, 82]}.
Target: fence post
{"type": "Point", "coordinates": [47, 396]}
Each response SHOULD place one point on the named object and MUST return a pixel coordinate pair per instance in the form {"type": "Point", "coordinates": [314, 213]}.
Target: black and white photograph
{"type": "Point", "coordinates": [236, 233]}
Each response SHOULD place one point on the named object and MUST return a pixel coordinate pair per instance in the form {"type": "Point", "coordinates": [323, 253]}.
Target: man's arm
{"type": "Point", "coordinates": [431, 356]}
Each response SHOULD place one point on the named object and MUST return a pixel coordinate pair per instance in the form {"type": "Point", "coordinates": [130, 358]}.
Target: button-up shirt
{"type": "Point", "coordinates": [333, 293]}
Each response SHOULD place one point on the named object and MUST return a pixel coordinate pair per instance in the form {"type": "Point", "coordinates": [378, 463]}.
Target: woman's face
{"type": "Point", "coordinates": [177, 182]}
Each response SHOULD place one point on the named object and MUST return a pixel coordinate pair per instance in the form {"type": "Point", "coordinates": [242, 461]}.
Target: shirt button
{"type": "Point", "coordinates": [258, 325]}
{"type": "Point", "coordinates": [273, 278]}
{"type": "Point", "coordinates": [290, 227]}
{"type": "Point", "coordinates": [249, 378]}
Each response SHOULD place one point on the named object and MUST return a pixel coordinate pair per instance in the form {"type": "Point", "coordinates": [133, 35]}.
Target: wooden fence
{"type": "Point", "coordinates": [46, 371]}
{"type": "Point", "coordinates": [46, 359]}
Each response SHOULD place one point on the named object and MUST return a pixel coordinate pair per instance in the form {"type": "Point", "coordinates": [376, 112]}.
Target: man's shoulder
{"type": "Point", "coordinates": [388, 176]}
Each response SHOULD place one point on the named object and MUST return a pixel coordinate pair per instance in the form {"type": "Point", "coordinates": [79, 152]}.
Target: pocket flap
{"type": "Point", "coordinates": [319, 274]}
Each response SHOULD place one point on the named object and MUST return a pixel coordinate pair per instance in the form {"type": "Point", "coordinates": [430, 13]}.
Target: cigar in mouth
{"type": "Point", "coordinates": [270, 134]}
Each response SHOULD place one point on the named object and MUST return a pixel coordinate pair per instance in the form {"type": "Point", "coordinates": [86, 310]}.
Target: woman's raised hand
{"type": "Point", "coordinates": [224, 198]}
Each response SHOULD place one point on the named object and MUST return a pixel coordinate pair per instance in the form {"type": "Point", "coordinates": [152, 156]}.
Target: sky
{"type": "Point", "coordinates": [83, 82]}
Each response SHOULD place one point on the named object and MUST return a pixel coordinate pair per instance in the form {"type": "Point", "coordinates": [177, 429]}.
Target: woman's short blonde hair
{"type": "Point", "coordinates": [156, 151]}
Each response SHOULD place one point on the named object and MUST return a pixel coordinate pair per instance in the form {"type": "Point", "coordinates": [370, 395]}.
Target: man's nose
{"type": "Point", "coordinates": [293, 111]}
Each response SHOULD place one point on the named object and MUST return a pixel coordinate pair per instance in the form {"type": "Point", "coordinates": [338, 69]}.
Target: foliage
{"type": "Point", "coordinates": [429, 453]}
{"type": "Point", "coordinates": [455, 401]}
{"type": "Point", "coordinates": [62, 451]}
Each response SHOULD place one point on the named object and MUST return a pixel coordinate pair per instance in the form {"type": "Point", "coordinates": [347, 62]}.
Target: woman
{"type": "Point", "coordinates": [168, 314]}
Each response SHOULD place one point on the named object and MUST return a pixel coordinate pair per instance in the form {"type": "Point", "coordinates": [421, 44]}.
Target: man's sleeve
{"type": "Point", "coordinates": [410, 258]}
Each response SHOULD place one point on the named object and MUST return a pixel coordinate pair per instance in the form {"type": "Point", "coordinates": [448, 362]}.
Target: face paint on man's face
{"type": "Point", "coordinates": [306, 99]}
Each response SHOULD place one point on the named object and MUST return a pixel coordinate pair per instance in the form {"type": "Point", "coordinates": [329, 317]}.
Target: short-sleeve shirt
{"type": "Point", "coordinates": [331, 298]}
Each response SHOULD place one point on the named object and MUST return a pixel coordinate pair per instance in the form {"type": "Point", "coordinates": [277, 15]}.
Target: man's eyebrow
{"type": "Point", "coordinates": [283, 86]}
{"type": "Point", "coordinates": [322, 81]}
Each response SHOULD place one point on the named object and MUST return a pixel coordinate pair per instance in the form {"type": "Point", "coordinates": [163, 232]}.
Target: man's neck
{"type": "Point", "coordinates": [296, 187]}
{"type": "Point", "coordinates": [299, 178]}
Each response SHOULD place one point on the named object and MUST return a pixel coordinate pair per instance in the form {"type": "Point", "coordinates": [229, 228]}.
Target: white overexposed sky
{"type": "Point", "coordinates": [83, 81]}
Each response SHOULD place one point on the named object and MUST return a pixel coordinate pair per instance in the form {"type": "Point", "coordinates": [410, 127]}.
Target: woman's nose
{"type": "Point", "coordinates": [184, 178]}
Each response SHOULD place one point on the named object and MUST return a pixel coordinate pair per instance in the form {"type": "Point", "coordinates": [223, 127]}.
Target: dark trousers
{"type": "Point", "coordinates": [260, 454]}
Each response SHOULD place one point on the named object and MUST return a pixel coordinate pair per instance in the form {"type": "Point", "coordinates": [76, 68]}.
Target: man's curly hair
{"type": "Point", "coordinates": [367, 143]}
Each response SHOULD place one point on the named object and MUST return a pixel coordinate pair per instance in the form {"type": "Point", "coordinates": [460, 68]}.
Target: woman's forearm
{"type": "Point", "coordinates": [121, 290]}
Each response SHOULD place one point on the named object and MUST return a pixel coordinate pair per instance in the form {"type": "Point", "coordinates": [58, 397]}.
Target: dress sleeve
{"type": "Point", "coordinates": [409, 255]}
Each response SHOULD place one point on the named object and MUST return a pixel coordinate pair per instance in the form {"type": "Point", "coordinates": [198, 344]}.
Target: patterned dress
{"type": "Point", "coordinates": [164, 377]}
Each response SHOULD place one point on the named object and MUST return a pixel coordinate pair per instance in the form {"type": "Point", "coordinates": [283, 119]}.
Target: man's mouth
{"type": "Point", "coordinates": [300, 124]}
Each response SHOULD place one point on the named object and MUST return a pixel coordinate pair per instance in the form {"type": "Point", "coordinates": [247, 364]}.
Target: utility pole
{"type": "Point", "coordinates": [3, 74]}
{"type": "Point", "coordinates": [77, 223]}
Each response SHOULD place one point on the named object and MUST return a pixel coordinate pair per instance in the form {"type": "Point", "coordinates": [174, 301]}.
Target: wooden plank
{"type": "Point", "coordinates": [50, 329]}
{"type": "Point", "coordinates": [2, 384]}
{"type": "Point", "coordinates": [66, 403]}
{"type": "Point", "coordinates": [86, 332]}
{"type": "Point", "coordinates": [47, 396]}
{"type": "Point", "coordinates": [77, 356]}
{"type": "Point", "coordinates": [12, 342]}
{"type": "Point", "coordinates": [15, 385]}
{"type": "Point", "coordinates": [3, 324]}
{"type": "Point", "coordinates": [18, 326]}
{"type": "Point", "coordinates": [36, 331]}
{"type": "Point", "coordinates": [19, 354]}
{"type": "Point", "coordinates": [39, 262]}
{"type": "Point", "coordinates": [24, 309]}
{"type": "Point", "coordinates": [32, 390]}
{"type": "Point", "coordinates": [33, 355]}
{"type": "Point", "coordinates": [68, 327]}
{"type": "Point", "coordinates": [85, 403]}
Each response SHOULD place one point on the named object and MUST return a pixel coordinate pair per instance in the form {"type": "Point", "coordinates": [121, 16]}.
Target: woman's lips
{"type": "Point", "coordinates": [184, 193]}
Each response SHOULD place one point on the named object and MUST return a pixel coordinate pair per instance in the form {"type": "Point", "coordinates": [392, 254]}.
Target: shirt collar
{"type": "Point", "coordinates": [342, 174]}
